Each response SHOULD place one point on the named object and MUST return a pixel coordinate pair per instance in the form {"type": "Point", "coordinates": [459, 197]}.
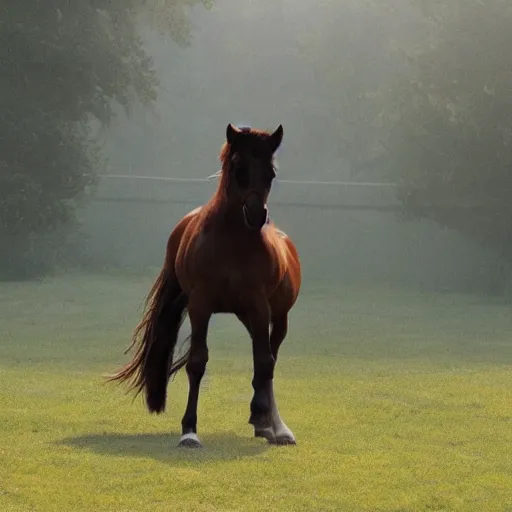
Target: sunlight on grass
{"type": "Point", "coordinates": [399, 401]}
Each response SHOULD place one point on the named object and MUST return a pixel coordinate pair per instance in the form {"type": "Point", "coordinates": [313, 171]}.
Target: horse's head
{"type": "Point", "coordinates": [249, 168]}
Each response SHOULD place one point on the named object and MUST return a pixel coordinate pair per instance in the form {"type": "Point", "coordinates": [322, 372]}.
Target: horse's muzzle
{"type": "Point", "coordinates": [255, 212]}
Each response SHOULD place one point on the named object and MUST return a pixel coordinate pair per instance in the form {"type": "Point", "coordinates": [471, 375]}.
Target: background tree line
{"type": "Point", "coordinates": [448, 129]}
{"type": "Point", "coordinates": [64, 68]}
{"type": "Point", "coordinates": [422, 99]}
{"type": "Point", "coordinates": [441, 126]}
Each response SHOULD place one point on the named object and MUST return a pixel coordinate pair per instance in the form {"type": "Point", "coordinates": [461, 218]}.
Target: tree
{"type": "Point", "coordinates": [64, 67]}
{"type": "Point", "coordinates": [448, 131]}
{"type": "Point", "coordinates": [357, 55]}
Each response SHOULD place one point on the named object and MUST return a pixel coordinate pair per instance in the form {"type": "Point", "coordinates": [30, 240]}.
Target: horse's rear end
{"type": "Point", "coordinates": [223, 257]}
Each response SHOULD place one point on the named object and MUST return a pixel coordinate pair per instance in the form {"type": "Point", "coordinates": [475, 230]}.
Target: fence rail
{"type": "Point", "coordinates": [324, 195]}
{"type": "Point", "coordinates": [170, 179]}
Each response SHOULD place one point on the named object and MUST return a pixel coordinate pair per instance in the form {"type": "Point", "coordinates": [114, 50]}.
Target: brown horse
{"type": "Point", "coordinates": [224, 257]}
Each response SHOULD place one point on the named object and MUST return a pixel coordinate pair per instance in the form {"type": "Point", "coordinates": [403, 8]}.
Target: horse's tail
{"type": "Point", "coordinates": [155, 339]}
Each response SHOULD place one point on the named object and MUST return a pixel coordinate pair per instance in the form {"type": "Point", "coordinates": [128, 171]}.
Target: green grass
{"type": "Point", "coordinates": [400, 401]}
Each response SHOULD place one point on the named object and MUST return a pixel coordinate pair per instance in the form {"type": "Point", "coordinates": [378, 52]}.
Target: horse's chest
{"type": "Point", "coordinates": [229, 271]}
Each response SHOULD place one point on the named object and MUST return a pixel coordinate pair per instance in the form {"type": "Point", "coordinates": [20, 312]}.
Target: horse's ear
{"type": "Point", "coordinates": [231, 133]}
{"type": "Point", "coordinates": [276, 138]}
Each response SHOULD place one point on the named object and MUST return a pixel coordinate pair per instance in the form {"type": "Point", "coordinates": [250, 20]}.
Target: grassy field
{"type": "Point", "coordinates": [400, 401]}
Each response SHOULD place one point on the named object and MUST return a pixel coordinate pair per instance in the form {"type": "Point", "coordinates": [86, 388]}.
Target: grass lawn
{"type": "Point", "coordinates": [400, 401]}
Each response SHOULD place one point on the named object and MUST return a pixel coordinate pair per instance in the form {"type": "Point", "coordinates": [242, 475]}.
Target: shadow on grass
{"type": "Point", "coordinates": [163, 447]}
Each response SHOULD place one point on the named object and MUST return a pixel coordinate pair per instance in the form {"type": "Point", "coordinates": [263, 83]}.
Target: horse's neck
{"type": "Point", "coordinates": [225, 213]}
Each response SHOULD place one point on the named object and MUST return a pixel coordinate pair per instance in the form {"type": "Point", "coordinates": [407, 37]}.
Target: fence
{"type": "Point", "coordinates": [343, 230]}
{"type": "Point", "coordinates": [337, 195]}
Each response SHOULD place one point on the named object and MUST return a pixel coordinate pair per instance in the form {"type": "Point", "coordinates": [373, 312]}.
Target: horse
{"type": "Point", "coordinates": [226, 256]}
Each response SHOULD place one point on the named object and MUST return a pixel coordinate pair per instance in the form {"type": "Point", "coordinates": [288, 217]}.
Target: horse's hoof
{"type": "Point", "coordinates": [283, 440]}
{"type": "Point", "coordinates": [189, 440]}
{"type": "Point", "coordinates": [267, 433]}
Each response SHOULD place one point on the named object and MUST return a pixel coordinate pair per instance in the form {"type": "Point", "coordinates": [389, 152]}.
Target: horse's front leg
{"type": "Point", "coordinates": [199, 317]}
{"type": "Point", "coordinates": [258, 320]}
{"type": "Point", "coordinates": [278, 432]}
{"type": "Point", "coordinates": [281, 433]}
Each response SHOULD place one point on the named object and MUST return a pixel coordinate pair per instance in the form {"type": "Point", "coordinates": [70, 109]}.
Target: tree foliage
{"type": "Point", "coordinates": [358, 56]}
{"type": "Point", "coordinates": [448, 137]}
{"type": "Point", "coordinates": [64, 66]}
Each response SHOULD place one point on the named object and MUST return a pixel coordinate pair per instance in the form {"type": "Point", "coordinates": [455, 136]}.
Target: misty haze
{"type": "Point", "coordinates": [393, 180]}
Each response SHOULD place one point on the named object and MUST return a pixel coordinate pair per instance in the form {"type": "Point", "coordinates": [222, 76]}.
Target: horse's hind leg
{"type": "Point", "coordinates": [195, 367]}
{"type": "Point", "coordinates": [281, 433]}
